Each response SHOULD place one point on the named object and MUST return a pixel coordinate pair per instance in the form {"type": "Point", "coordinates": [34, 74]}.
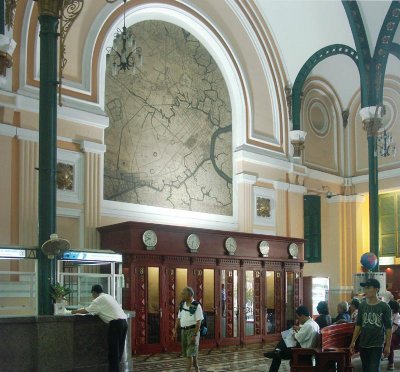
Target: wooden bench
{"type": "Point", "coordinates": [332, 351]}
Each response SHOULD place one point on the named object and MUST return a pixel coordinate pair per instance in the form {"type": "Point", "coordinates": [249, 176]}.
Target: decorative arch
{"type": "Point", "coordinates": [316, 58]}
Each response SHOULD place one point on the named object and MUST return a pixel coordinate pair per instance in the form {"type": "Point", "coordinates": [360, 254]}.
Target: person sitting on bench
{"type": "Point", "coordinates": [306, 335]}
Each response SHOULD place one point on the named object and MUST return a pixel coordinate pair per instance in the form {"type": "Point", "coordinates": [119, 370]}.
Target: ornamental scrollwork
{"type": "Point", "coordinates": [11, 6]}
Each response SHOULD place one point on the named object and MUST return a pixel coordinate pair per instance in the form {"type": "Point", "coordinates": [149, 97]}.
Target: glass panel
{"type": "Point", "coordinates": [85, 284]}
{"type": "Point", "coordinates": [180, 283]}
{"type": "Point", "coordinates": [289, 309]}
{"type": "Point", "coordinates": [270, 320]}
{"type": "Point", "coordinates": [209, 301]}
{"type": "Point", "coordinates": [153, 305]}
{"type": "Point", "coordinates": [229, 303]}
{"type": "Point", "coordinates": [249, 303]}
{"type": "Point", "coordinates": [18, 287]}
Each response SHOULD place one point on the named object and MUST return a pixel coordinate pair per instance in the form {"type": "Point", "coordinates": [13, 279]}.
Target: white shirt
{"type": "Point", "coordinates": [395, 321]}
{"type": "Point", "coordinates": [107, 308]}
{"type": "Point", "coordinates": [187, 319]}
{"type": "Point", "coordinates": [307, 336]}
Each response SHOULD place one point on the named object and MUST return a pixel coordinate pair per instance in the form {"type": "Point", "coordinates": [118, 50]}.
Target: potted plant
{"type": "Point", "coordinates": [58, 293]}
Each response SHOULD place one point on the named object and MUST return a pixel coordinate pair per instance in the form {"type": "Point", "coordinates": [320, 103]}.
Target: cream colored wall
{"type": "Point", "coordinates": [5, 189]}
{"type": "Point", "coordinates": [344, 237]}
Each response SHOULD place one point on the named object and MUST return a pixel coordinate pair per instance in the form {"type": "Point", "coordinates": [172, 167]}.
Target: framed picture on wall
{"type": "Point", "coordinates": [264, 205]}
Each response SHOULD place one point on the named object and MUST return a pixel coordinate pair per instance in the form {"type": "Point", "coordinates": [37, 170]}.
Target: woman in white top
{"type": "Point", "coordinates": [395, 306]}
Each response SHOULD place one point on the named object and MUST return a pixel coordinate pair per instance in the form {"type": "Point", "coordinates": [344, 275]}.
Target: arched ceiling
{"type": "Point", "coordinates": [302, 27]}
{"type": "Point", "coordinates": [298, 29]}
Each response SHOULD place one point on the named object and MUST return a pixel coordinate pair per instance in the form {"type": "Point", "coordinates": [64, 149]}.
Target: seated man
{"type": "Point", "coordinates": [343, 313]}
{"type": "Point", "coordinates": [306, 335]}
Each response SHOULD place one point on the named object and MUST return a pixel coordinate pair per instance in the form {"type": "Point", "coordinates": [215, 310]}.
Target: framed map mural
{"type": "Point", "coordinates": [169, 143]}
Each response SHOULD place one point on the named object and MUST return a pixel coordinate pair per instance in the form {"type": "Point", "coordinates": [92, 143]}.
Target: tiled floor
{"type": "Point", "coordinates": [229, 359]}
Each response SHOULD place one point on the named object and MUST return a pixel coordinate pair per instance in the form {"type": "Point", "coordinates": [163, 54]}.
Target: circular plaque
{"type": "Point", "coordinates": [263, 247]}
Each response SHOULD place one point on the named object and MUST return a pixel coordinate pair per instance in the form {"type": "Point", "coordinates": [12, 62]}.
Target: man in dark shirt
{"type": "Point", "coordinates": [323, 319]}
{"type": "Point", "coordinates": [374, 322]}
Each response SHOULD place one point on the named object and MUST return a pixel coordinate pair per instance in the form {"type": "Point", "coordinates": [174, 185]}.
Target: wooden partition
{"type": "Point", "coordinates": [247, 297]}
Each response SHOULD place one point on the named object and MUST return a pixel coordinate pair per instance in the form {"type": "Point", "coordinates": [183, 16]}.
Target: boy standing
{"type": "Point", "coordinates": [374, 322]}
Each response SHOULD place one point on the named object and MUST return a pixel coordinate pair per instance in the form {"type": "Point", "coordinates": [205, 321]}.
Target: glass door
{"type": "Point", "coordinates": [270, 312]}
{"type": "Point", "coordinates": [251, 300]}
{"type": "Point", "coordinates": [289, 305]}
{"type": "Point", "coordinates": [177, 280]}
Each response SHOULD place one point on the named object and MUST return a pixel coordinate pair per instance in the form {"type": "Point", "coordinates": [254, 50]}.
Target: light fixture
{"type": "Point", "coordinates": [297, 139]}
{"type": "Point", "coordinates": [124, 55]}
{"type": "Point", "coordinates": [385, 144]}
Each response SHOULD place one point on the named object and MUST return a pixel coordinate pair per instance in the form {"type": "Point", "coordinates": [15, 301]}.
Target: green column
{"type": "Point", "coordinates": [372, 123]}
{"type": "Point", "coordinates": [47, 155]}
{"type": "Point", "coordinates": [373, 197]}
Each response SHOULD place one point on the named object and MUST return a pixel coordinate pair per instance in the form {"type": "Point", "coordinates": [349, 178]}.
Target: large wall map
{"type": "Point", "coordinates": [169, 143]}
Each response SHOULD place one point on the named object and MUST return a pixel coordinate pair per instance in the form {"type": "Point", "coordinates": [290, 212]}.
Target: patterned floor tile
{"type": "Point", "coordinates": [244, 359]}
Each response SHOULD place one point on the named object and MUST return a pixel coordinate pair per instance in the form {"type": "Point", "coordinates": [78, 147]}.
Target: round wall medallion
{"type": "Point", "coordinates": [193, 242]}
{"type": "Point", "coordinates": [150, 239]}
{"type": "Point", "coordinates": [293, 250]}
{"type": "Point", "coordinates": [263, 247]}
{"type": "Point", "coordinates": [231, 245]}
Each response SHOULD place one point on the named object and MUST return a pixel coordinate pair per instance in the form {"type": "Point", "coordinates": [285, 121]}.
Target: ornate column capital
{"type": "Point", "coordinates": [372, 119]}
{"type": "Point", "coordinates": [297, 138]}
{"type": "Point", "coordinates": [50, 7]}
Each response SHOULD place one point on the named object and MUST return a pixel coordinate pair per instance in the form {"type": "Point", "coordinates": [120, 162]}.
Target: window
{"type": "Point", "coordinates": [312, 228]}
{"type": "Point", "coordinates": [389, 213]}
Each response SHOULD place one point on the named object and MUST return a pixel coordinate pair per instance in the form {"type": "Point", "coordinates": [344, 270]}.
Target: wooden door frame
{"type": "Point", "coordinates": [228, 264]}
{"type": "Point", "coordinates": [255, 266]}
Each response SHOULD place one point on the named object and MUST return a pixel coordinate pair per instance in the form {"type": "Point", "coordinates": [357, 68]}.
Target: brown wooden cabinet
{"type": "Point", "coordinates": [247, 297]}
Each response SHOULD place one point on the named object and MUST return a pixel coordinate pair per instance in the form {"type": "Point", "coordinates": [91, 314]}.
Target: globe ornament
{"type": "Point", "coordinates": [369, 260]}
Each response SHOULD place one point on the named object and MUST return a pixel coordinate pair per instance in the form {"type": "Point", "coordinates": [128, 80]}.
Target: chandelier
{"type": "Point", "coordinates": [124, 55]}
{"type": "Point", "coordinates": [385, 143]}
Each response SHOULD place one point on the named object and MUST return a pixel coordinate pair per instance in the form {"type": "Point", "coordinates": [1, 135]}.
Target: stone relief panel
{"type": "Point", "coordinates": [169, 143]}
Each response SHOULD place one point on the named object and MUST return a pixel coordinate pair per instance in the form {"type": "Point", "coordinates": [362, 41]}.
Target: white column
{"type": "Point", "coordinates": [245, 197]}
{"type": "Point", "coordinates": [296, 211]}
{"type": "Point", "coordinates": [281, 208]}
{"type": "Point", "coordinates": [94, 158]}
{"type": "Point", "coordinates": [28, 186]}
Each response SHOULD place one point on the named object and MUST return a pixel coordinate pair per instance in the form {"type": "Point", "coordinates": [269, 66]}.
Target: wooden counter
{"type": "Point", "coordinates": [54, 343]}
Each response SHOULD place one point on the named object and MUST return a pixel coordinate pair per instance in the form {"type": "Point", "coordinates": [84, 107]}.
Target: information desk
{"type": "Point", "coordinates": [56, 343]}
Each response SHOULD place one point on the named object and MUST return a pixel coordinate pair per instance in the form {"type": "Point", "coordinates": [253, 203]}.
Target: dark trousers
{"type": "Point", "coordinates": [285, 353]}
{"type": "Point", "coordinates": [395, 342]}
{"type": "Point", "coordinates": [371, 359]}
{"type": "Point", "coordinates": [117, 330]}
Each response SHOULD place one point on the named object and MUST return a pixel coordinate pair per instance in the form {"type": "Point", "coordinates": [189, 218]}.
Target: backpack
{"type": "Point", "coordinates": [192, 309]}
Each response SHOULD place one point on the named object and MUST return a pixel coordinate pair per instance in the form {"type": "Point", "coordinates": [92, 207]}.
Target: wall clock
{"type": "Point", "coordinates": [231, 245]}
{"type": "Point", "coordinates": [263, 247]}
{"type": "Point", "coordinates": [293, 250]}
{"type": "Point", "coordinates": [149, 239]}
{"type": "Point", "coordinates": [193, 242]}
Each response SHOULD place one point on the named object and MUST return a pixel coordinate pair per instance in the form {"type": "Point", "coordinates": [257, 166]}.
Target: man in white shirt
{"type": "Point", "coordinates": [110, 312]}
{"type": "Point", "coordinates": [306, 335]}
{"type": "Point", "coordinates": [189, 320]}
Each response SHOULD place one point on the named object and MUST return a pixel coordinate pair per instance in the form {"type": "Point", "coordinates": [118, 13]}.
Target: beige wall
{"type": "Point", "coordinates": [5, 189]}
